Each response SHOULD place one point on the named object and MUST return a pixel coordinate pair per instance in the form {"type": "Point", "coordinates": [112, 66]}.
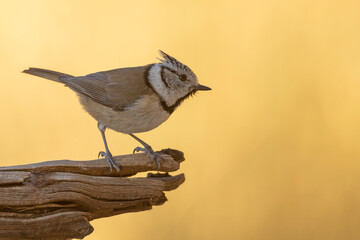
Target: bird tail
{"type": "Point", "coordinates": [48, 74]}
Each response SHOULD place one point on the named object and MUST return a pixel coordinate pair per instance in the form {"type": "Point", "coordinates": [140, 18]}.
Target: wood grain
{"type": "Point", "coordinates": [58, 199]}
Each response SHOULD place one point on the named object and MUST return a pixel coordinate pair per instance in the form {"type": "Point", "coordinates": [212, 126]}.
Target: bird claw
{"type": "Point", "coordinates": [109, 160]}
{"type": "Point", "coordinates": [138, 149]}
{"type": "Point", "coordinates": [153, 155]}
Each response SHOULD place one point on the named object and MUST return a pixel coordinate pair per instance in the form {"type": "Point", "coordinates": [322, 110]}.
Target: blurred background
{"type": "Point", "coordinates": [273, 152]}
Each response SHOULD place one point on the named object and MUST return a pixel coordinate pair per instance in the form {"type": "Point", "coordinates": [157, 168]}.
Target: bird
{"type": "Point", "coordinates": [132, 99]}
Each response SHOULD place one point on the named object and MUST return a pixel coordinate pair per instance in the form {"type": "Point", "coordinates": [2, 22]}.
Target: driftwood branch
{"type": "Point", "coordinates": [57, 199]}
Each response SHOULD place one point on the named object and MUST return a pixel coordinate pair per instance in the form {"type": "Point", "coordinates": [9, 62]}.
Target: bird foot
{"type": "Point", "coordinates": [153, 155]}
{"type": "Point", "coordinates": [110, 161]}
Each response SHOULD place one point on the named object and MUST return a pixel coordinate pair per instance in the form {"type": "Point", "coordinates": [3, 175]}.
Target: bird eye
{"type": "Point", "coordinates": [183, 77]}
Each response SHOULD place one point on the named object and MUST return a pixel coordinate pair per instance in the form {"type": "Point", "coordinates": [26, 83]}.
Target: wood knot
{"type": "Point", "coordinates": [39, 179]}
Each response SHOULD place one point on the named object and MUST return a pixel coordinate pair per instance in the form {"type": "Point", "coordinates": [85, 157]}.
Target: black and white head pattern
{"type": "Point", "coordinates": [172, 80]}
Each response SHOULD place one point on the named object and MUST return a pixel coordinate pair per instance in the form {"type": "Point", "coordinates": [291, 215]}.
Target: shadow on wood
{"type": "Point", "coordinates": [57, 199]}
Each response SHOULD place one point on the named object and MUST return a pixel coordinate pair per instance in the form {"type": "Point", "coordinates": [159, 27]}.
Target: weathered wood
{"type": "Point", "coordinates": [57, 199]}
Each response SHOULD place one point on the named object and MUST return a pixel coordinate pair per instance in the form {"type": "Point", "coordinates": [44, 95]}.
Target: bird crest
{"type": "Point", "coordinates": [171, 61]}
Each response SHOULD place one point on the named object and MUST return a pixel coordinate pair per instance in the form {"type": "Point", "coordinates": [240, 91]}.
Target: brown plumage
{"type": "Point", "coordinates": [118, 87]}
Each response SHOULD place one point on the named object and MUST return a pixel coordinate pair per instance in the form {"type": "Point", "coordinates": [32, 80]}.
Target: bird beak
{"type": "Point", "coordinates": [202, 88]}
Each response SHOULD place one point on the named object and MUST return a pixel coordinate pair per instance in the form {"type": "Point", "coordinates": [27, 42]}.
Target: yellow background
{"type": "Point", "coordinates": [273, 152]}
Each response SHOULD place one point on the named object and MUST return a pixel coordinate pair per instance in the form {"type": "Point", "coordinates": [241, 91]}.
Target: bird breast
{"type": "Point", "coordinates": [143, 115]}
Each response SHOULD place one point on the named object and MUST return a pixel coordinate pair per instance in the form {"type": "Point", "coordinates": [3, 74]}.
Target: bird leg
{"type": "Point", "coordinates": [148, 150]}
{"type": "Point", "coordinates": [107, 154]}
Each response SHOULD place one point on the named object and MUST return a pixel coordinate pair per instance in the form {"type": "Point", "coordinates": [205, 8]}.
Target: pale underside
{"type": "Point", "coordinates": [145, 114]}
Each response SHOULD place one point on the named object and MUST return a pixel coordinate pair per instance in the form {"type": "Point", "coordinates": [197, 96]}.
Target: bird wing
{"type": "Point", "coordinates": [118, 88]}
